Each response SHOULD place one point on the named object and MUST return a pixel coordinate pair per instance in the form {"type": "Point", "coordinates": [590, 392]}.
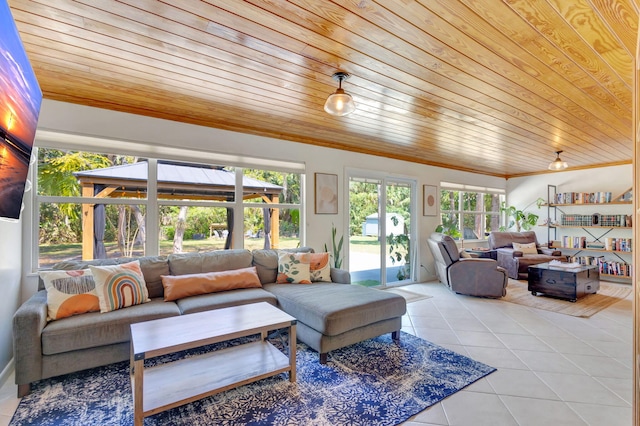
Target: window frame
{"type": "Point", "coordinates": [151, 201]}
{"type": "Point", "coordinates": [479, 191]}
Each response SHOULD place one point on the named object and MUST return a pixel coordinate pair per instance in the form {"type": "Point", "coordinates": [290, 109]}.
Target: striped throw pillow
{"type": "Point", "coordinates": [120, 286]}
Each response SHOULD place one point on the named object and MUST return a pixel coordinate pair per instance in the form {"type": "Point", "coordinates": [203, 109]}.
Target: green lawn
{"type": "Point", "coordinates": [360, 244]}
{"type": "Point", "coordinates": [50, 254]}
{"type": "Point", "coordinates": [367, 283]}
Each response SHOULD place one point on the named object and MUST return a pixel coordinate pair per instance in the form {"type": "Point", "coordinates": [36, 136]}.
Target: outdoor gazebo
{"type": "Point", "coordinates": [176, 181]}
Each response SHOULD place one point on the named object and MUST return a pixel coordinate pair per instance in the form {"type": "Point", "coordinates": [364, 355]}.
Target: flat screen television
{"type": "Point", "coordinates": [20, 99]}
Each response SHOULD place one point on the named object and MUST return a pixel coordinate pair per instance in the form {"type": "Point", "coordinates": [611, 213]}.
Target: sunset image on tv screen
{"type": "Point", "coordinates": [20, 99]}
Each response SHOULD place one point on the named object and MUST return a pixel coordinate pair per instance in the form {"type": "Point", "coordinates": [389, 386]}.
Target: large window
{"type": "Point", "coordinates": [99, 205]}
{"type": "Point", "coordinates": [469, 212]}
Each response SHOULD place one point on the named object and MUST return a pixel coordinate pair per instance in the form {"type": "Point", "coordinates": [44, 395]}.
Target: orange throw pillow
{"type": "Point", "coordinates": [69, 293]}
{"type": "Point", "coordinates": [181, 286]}
{"type": "Point", "coordinates": [319, 267]}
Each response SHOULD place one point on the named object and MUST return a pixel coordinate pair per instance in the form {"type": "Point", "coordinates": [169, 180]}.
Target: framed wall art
{"type": "Point", "coordinates": [326, 200]}
{"type": "Point", "coordinates": [429, 200]}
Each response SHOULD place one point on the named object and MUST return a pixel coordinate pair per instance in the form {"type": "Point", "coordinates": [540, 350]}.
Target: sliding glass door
{"type": "Point", "coordinates": [381, 211]}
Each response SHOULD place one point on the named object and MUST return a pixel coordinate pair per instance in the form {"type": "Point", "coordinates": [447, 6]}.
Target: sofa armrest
{"type": "Point", "coordinates": [28, 323]}
{"type": "Point", "coordinates": [340, 276]}
{"type": "Point", "coordinates": [507, 261]}
{"type": "Point", "coordinates": [478, 277]}
{"type": "Point", "coordinates": [550, 252]}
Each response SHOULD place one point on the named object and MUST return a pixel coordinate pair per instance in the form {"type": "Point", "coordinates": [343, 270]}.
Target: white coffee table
{"type": "Point", "coordinates": [162, 387]}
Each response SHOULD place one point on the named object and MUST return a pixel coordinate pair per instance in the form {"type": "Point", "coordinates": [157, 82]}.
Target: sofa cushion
{"type": "Point", "coordinates": [525, 248]}
{"type": "Point", "coordinates": [181, 286]}
{"type": "Point", "coordinates": [266, 262]}
{"type": "Point", "coordinates": [70, 293]}
{"type": "Point", "coordinates": [98, 329]}
{"type": "Point", "coordinates": [224, 299]}
{"type": "Point", "coordinates": [506, 239]}
{"type": "Point", "coordinates": [293, 268]}
{"type": "Point", "coordinates": [332, 309]}
{"type": "Point", "coordinates": [152, 268]}
{"type": "Point", "coordinates": [211, 261]}
{"type": "Point", "coordinates": [120, 286]}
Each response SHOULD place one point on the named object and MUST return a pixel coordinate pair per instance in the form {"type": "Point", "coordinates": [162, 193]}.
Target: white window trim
{"type": "Point", "coordinates": [64, 141]}
{"type": "Point", "coordinates": [459, 187]}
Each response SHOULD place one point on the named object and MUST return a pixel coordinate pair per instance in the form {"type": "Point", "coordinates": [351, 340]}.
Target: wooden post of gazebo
{"type": "Point", "coordinates": [275, 224]}
{"type": "Point", "coordinates": [190, 184]}
{"type": "Point", "coordinates": [88, 218]}
{"type": "Point", "coordinates": [87, 223]}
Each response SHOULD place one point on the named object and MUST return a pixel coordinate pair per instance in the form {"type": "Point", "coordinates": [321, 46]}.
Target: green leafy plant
{"type": "Point", "coordinates": [399, 250]}
{"type": "Point", "coordinates": [336, 249]}
{"type": "Point", "coordinates": [450, 229]}
{"type": "Point", "coordinates": [519, 218]}
{"type": "Point", "coordinates": [449, 226]}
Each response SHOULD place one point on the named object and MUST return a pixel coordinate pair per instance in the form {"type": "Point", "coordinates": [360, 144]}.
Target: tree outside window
{"type": "Point", "coordinates": [96, 205]}
{"type": "Point", "coordinates": [469, 215]}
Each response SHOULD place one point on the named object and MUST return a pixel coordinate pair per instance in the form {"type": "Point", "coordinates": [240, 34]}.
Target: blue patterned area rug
{"type": "Point", "coordinates": [375, 382]}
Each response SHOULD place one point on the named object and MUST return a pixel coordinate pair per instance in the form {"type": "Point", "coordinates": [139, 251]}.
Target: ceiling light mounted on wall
{"type": "Point", "coordinates": [558, 164]}
{"type": "Point", "coordinates": [340, 103]}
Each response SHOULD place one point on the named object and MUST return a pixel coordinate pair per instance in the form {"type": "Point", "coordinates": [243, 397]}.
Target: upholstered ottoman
{"type": "Point", "coordinates": [331, 316]}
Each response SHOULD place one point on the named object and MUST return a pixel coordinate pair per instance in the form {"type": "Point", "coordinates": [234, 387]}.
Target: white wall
{"type": "Point", "coordinates": [10, 271]}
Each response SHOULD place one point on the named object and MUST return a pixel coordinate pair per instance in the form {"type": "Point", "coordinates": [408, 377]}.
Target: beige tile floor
{"type": "Point", "coordinates": [553, 369]}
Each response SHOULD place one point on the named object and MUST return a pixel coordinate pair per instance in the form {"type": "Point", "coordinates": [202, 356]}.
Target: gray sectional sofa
{"type": "Point", "coordinates": [330, 315]}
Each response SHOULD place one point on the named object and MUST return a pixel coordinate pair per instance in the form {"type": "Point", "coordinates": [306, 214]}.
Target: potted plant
{"type": "Point", "coordinates": [336, 252]}
{"type": "Point", "coordinates": [519, 218]}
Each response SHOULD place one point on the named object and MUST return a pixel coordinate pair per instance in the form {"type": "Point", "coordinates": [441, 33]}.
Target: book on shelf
{"type": "Point", "coordinates": [618, 244]}
{"type": "Point", "coordinates": [605, 266]}
{"type": "Point", "coordinates": [596, 219]}
{"type": "Point", "coordinates": [609, 244]}
{"type": "Point", "coordinates": [600, 197]}
{"type": "Point", "coordinates": [574, 242]}
{"type": "Point", "coordinates": [595, 245]}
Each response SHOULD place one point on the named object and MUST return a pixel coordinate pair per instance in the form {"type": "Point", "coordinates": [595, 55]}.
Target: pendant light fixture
{"type": "Point", "coordinates": [340, 103]}
{"type": "Point", "coordinates": [558, 164]}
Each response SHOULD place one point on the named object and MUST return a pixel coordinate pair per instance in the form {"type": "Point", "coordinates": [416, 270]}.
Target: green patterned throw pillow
{"type": "Point", "coordinates": [293, 268]}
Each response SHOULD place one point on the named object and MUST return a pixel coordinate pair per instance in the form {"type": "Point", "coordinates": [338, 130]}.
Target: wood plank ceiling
{"type": "Point", "coordinates": [489, 86]}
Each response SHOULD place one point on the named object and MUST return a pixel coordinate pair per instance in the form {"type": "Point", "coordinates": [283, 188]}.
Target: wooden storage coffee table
{"type": "Point", "coordinates": [160, 388]}
{"type": "Point", "coordinates": [565, 283]}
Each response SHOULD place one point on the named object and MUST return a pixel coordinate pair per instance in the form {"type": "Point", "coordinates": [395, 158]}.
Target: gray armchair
{"type": "Point", "coordinates": [470, 276]}
{"type": "Point", "coordinates": [516, 262]}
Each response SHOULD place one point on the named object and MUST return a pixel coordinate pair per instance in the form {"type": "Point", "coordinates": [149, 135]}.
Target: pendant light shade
{"type": "Point", "coordinates": [340, 103]}
{"type": "Point", "coordinates": [558, 164]}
